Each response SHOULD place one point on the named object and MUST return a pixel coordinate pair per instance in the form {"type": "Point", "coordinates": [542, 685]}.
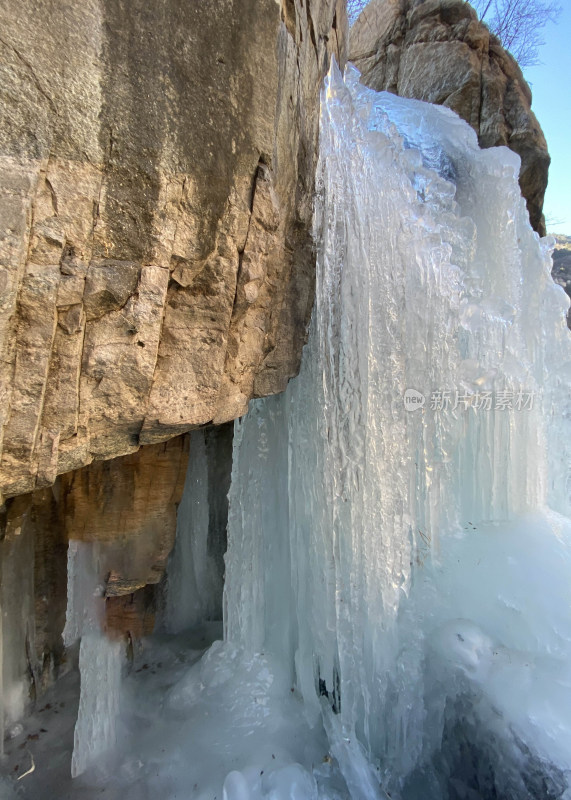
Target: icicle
{"type": "Point", "coordinates": [17, 622]}
{"type": "Point", "coordinates": [85, 591]}
{"type": "Point", "coordinates": [194, 585]}
{"type": "Point", "coordinates": [100, 660]}
{"type": "Point", "coordinates": [260, 523]}
{"type": "Point", "coordinates": [100, 663]}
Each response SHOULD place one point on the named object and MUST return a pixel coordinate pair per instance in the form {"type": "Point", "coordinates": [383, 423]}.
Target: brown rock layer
{"type": "Point", "coordinates": [157, 165]}
{"type": "Point", "coordinates": [131, 615]}
{"type": "Point", "coordinates": [128, 503]}
{"type": "Point", "coordinates": [438, 51]}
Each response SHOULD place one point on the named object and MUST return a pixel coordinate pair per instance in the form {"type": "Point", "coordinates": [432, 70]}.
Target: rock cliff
{"type": "Point", "coordinates": [157, 165]}
{"type": "Point", "coordinates": [438, 51]}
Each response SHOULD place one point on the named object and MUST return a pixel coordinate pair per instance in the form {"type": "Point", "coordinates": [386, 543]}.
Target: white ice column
{"type": "Point", "coordinates": [100, 659]}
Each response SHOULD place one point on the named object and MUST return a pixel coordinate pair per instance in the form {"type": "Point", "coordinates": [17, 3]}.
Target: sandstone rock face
{"type": "Point", "coordinates": [129, 503]}
{"type": "Point", "coordinates": [438, 51]}
{"type": "Point", "coordinates": [157, 165]}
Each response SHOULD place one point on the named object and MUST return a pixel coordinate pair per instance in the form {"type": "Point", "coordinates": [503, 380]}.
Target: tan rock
{"type": "Point", "coordinates": [37, 320]}
{"type": "Point", "coordinates": [130, 503]}
{"type": "Point", "coordinates": [438, 51]}
{"type": "Point", "coordinates": [108, 286]}
{"type": "Point", "coordinates": [130, 615]}
{"type": "Point", "coordinates": [156, 185]}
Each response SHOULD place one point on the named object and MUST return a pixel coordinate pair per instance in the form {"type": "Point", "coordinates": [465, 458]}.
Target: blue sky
{"type": "Point", "coordinates": [551, 87]}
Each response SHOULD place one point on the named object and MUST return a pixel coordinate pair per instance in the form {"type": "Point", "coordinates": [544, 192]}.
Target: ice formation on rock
{"type": "Point", "coordinates": [397, 589]}
{"type": "Point", "coordinates": [396, 528]}
{"type": "Point", "coordinates": [100, 659]}
{"type": "Point", "coordinates": [194, 583]}
{"type": "Point", "coordinates": [17, 633]}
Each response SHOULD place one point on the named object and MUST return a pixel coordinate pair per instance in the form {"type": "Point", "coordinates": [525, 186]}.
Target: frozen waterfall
{"type": "Point", "coordinates": [397, 588]}
{"type": "Point", "coordinates": [397, 532]}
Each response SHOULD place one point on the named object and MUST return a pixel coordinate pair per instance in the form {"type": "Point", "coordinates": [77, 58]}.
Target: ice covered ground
{"type": "Point", "coordinates": [397, 597]}
{"type": "Point", "coordinates": [227, 725]}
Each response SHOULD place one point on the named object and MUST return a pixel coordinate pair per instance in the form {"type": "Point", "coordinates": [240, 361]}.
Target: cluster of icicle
{"type": "Point", "coordinates": [397, 532]}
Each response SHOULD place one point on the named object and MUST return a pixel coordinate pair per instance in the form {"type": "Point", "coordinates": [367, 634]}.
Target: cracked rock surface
{"type": "Point", "coordinates": [157, 166]}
